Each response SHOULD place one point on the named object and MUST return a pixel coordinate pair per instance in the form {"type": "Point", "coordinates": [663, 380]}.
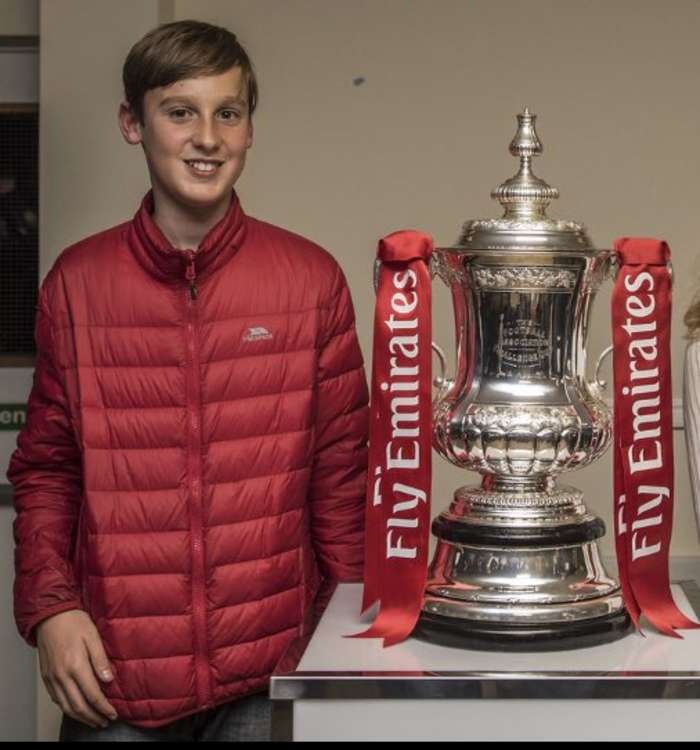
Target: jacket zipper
{"type": "Point", "coordinates": [190, 275]}
{"type": "Point", "coordinates": [203, 674]}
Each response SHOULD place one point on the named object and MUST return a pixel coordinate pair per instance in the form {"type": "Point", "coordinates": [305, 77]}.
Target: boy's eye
{"type": "Point", "coordinates": [178, 114]}
{"type": "Point", "coordinates": [230, 114]}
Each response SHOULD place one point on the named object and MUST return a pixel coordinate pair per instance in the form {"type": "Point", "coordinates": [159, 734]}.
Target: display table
{"type": "Point", "coordinates": [638, 688]}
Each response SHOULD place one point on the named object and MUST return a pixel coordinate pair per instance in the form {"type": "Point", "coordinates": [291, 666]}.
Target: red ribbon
{"type": "Point", "coordinates": [400, 454]}
{"type": "Point", "coordinates": [643, 459]}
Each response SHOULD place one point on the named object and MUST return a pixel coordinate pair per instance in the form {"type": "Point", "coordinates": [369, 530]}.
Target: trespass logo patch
{"type": "Point", "coordinates": [257, 333]}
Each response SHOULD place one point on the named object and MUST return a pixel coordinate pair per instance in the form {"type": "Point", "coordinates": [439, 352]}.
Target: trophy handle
{"type": "Point", "coordinates": [615, 268]}
{"type": "Point", "coordinates": [441, 382]}
{"type": "Point", "coordinates": [598, 384]}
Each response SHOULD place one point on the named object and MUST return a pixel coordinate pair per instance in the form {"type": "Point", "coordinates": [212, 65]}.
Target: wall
{"type": "Point", "coordinates": [89, 178]}
{"type": "Point", "coordinates": [19, 79]}
{"type": "Point", "coordinates": [19, 17]}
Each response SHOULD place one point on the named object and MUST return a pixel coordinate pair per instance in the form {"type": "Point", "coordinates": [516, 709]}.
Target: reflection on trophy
{"type": "Point", "coordinates": [517, 564]}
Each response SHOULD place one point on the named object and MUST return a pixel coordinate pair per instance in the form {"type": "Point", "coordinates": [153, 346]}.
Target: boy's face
{"type": "Point", "coordinates": [195, 136]}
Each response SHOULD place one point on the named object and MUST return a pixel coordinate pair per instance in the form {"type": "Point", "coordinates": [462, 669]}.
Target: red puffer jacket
{"type": "Point", "coordinates": [194, 457]}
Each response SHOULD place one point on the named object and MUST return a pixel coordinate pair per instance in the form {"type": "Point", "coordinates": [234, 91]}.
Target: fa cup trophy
{"type": "Point", "coordinates": [517, 565]}
{"type": "Point", "coordinates": [517, 562]}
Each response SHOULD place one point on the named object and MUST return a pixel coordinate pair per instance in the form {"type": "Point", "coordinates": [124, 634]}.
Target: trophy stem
{"type": "Point", "coordinates": [499, 483]}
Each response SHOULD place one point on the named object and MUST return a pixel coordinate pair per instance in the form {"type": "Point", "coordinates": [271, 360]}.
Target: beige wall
{"type": "Point", "coordinates": [89, 178]}
{"type": "Point", "coordinates": [19, 17]}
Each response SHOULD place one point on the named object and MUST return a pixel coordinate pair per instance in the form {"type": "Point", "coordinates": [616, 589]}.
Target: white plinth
{"type": "Point", "coordinates": [637, 688]}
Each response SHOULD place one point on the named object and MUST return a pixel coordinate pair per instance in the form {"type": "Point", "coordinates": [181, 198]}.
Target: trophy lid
{"type": "Point", "coordinates": [525, 197]}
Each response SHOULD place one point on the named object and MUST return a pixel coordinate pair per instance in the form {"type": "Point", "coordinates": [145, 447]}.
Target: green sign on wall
{"type": "Point", "coordinates": [12, 416]}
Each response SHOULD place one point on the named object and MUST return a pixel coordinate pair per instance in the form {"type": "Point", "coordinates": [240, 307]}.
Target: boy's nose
{"type": "Point", "coordinates": [206, 136]}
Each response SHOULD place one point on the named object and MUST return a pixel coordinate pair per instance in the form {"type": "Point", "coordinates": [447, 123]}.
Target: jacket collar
{"type": "Point", "coordinates": [162, 260]}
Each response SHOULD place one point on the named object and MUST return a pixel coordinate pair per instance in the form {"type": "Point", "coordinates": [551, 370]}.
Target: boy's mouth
{"type": "Point", "coordinates": [203, 166]}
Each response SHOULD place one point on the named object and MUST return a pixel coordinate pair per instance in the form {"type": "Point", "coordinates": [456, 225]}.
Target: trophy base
{"type": "Point", "coordinates": [498, 636]}
{"type": "Point", "coordinates": [520, 571]}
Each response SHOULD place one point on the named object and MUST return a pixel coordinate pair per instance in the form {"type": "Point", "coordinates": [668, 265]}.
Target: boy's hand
{"type": "Point", "coordinates": [71, 658]}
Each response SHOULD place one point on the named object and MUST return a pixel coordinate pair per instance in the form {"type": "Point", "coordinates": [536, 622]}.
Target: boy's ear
{"type": "Point", "coordinates": [250, 134]}
{"type": "Point", "coordinates": [129, 125]}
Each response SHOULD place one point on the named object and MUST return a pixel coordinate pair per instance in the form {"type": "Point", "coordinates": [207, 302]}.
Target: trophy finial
{"type": "Point", "coordinates": [525, 196]}
{"type": "Point", "coordinates": [526, 140]}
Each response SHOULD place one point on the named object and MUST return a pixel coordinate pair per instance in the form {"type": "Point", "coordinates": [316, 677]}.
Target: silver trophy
{"type": "Point", "coordinates": [517, 564]}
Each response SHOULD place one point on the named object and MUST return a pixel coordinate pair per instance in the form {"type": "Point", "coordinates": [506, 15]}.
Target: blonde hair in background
{"type": "Point", "coordinates": [692, 319]}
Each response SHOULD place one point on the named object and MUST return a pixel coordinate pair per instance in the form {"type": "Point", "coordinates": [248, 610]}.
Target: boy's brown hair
{"type": "Point", "coordinates": [183, 49]}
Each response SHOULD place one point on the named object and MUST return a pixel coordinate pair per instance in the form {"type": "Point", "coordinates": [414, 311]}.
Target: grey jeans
{"type": "Point", "coordinates": [242, 720]}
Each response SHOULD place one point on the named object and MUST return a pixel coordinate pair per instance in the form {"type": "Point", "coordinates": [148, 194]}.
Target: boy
{"type": "Point", "coordinates": [193, 463]}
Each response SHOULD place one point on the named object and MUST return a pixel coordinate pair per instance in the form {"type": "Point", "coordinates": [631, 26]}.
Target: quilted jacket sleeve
{"type": "Point", "coordinates": [340, 463]}
{"type": "Point", "coordinates": [45, 470]}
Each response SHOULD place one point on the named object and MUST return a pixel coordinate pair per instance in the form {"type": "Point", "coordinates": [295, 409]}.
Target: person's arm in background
{"type": "Point", "coordinates": [340, 463]}
{"type": "Point", "coordinates": [45, 470]}
{"type": "Point", "coordinates": [691, 420]}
